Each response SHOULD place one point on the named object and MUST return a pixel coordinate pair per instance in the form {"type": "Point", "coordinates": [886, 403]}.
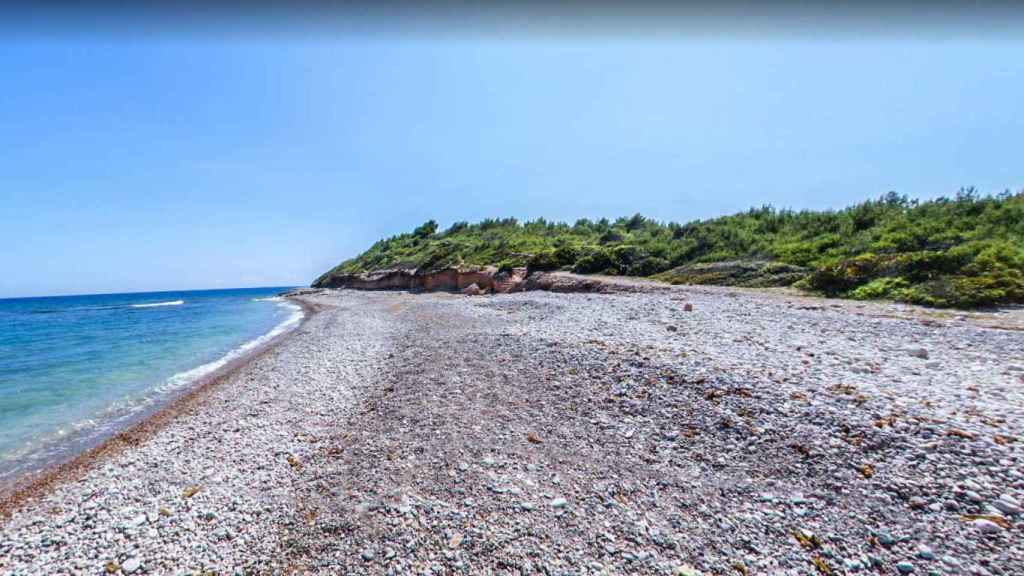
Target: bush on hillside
{"type": "Point", "coordinates": [960, 251]}
{"type": "Point", "coordinates": [594, 260]}
{"type": "Point", "coordinates": [648, 266]}
{"type": "Point", "coordinates": [428, 228]}
{"type": "Point", "coordinates": [543, 261]}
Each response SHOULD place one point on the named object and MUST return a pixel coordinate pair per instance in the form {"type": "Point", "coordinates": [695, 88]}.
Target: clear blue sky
{"type": "Point", "coordinates": [135, 163]}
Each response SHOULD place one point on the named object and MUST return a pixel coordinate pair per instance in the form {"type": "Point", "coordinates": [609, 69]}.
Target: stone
{"type": "Point", "coordinates": [367, 554]}
{"type": "Point", "coordinates": [886, 539]}
{"type": "Point", "coordinates": [905, 567]}
{"type": "Point", "coordinates": [559, 503]}
{"type": "Point", "coordinates": [472, 290]}
{"type": "Point", "coordinates": [973, 496]}
{"type": "Point", "coordinates": [918, 353]}
{"type": "Point", "coordinates": [1007, 505]}
{"type": "Point", "coordinates": [685, 570]}
{"type": "Point", "coordinates": [131, 565]}
{"type": "Point", "coordinates": [925, 552]}
{"type": "Point", "coordinates": [918, 502]}
{"type": "Point", "coordinates": [138, 521]}
{"type": "Point", "coordinates": [950, 561]}
{"type": "Point", "coordinates": [986, 526]}
{"type": "Point", "coordinates": [687, 307]}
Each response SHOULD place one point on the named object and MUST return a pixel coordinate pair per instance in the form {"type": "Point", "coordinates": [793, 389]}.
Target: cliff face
{"type": "Point", "coordinates": [486, 278]}
{"type": "Point", "coordinates": [482, 280]}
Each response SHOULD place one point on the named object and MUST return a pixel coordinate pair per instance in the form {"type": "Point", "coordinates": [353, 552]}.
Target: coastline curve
{"type": "Point", "coordinates": [181, 400]}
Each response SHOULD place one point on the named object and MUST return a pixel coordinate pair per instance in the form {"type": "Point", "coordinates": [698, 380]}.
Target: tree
{"type": "Point", "coordinates": [426, 230]}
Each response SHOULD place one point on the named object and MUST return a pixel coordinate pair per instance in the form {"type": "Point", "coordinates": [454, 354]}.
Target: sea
{"type": "Point", "coordinates": [74, 370]}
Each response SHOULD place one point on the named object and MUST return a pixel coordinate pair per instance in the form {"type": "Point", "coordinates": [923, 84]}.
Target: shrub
{"type": "Point", "coordinates": [623, 257]}
{"type": "Point", "coordinates": [832, 279]}
{"type": "Point", "coordinates": [508, 264]}
{"type": "Point", "coordinates": [543, 260]}
{"type": "Point", "coordinates": [879, 288]}
{"type": "Point", "coordinates": [635, 222]}
{"type": "Point", "coordinates": [566, 255]}
{"type": "Point", "coordinates": [428, 228]}
{"type": "Point", "coordinates": [610, 236]}
{"type": "Point", "coordinates": [921, 266]}
{"type": "Point", "coordinates": [648, 267]}
{"type": "Point", "coordinates": [456, 228]}
{"type": "Point", "coordinates": [781, 268]}
{"type": "Point", "coordinates": [840, 277]}
{"type": "Point", "coordinates": [593, 260]}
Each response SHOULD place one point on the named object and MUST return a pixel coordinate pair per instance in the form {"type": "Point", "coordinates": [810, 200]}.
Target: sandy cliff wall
{"type": "Point", "coordinates": [483, 280]}
{"type": "Point", "coordinates": [487, 278]}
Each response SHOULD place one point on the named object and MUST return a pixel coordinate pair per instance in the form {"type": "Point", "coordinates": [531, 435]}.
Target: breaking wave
{"type": "Point", "coordinates": [154, 304]}
{"type": "Point", "coordinates": [184, 378]}
{"type": "Point", "coordinates": [73, 436]}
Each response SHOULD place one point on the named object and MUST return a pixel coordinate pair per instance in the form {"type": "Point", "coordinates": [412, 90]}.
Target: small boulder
{"type": "Point", "coordinates": [472, 290]}
{"type": "Point", "coordinates": [687, 307]}
{"type": "Point", "coordinates": [131, 565]}
{"type": "Point", "coordinates": [918, 353]}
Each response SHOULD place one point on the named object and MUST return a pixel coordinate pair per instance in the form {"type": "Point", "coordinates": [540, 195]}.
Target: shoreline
{"type": "Point", "coordinates": [678, 431]}
{"type": "Point", "coordinates": [36, 484]}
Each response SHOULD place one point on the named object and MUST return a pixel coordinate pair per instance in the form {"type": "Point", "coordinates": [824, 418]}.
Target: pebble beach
{"type": "Point", "coordinates": [679, 431]}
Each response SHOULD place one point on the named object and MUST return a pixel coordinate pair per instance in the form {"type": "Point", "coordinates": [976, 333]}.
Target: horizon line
{"type": "Point", "coordinates": [135, 292]}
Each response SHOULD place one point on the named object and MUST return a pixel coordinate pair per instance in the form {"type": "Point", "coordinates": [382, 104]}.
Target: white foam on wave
{"type": "Point", "coordinates": [154, 304]}
{"type": "Point", "coordinates": [182, 379]}
{"type": "Point", "coordinates": [268, 299]}
{"type": "Point", "coordinates": [122, 411]}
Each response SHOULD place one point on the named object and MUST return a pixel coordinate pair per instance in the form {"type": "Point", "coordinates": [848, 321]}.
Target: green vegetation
{"type": "Point", "coordinates": [963, 251]}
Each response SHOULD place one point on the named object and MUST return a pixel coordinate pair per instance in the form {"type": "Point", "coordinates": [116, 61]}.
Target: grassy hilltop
{"type": "Point", "coordinates": [964, 251]}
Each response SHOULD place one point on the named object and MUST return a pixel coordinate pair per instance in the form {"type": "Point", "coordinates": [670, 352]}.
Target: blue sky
{"type": "Point", "coordinates": [196, 162]}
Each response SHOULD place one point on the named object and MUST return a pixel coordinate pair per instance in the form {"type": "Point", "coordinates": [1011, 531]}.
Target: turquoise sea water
{"type": "Point", "coordinates": [74, 369]}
